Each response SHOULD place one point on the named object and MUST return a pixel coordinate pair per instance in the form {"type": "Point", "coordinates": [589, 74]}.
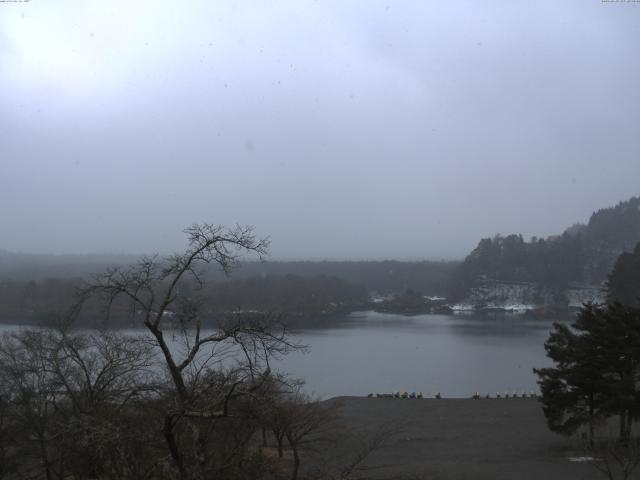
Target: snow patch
{"type": "Point", "coordinates": [578, 296]}
{"type": "Point", "coordinates": [581, 459]}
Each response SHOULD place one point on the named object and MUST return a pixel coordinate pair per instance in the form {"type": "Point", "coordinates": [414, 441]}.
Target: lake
{"type": "Point", "coordinates": [453, 354]}
{"type": "Point", "coordinates": [369, 352]}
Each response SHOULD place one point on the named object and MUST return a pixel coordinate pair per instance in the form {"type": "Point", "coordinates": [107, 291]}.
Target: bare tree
{"type": "Point", "coordinates": [30, 395]}
{"type": "Point", "coordinates": [308, 420]}
{"type": "Point", "coordinates": [368, 444]}
{"type": "Point", "coordinates": [8, 434]}
{"type": "Point", "coordinates": [612, 458]}
{"type": "Point", "coordinates": [183, 400]}
{"type": "Point", "coordinates": [64, 392]}
{"type": "Point", "coordinates": [165, 294]}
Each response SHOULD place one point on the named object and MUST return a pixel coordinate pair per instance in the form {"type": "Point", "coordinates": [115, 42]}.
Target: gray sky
{"type": "Point", "coordinates": [359, 129]}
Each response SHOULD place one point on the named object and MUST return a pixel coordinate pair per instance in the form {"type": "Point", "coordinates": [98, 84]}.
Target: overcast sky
{"type": "Point", "coordinates": [359, 129]}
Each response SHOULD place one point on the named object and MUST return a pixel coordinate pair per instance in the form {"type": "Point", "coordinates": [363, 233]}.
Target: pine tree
{"type": "Point", "coordinates": [596, 372]}
{"type": "Point", "coordinates": [624, 279]}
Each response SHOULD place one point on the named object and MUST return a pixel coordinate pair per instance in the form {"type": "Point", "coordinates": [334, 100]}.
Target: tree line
{"type": "Point", "coordinates": [45, 301]}
{"type": "Point", "coordinates": [177, 400]}
{"type": "Point", "coordinates": [581, 254]}
{"type": "Point", "coordinates": [303, 291]}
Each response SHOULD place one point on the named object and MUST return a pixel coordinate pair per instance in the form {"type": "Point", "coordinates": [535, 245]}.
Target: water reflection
{"type": "Point", "coordinates": [454, 354]}
{"type": "Point", "coordinates": [508, 325]}
{"type": "Point", "coordinates": [457, 355]}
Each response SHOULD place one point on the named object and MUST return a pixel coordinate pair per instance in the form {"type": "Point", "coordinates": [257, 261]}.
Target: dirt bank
{"type": "Point", "coordinates": [464, 439]}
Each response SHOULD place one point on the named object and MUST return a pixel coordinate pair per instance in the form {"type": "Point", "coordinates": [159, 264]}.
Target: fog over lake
{"type": "Point", "coordinates": [457, 355]}
{"type": "Point", "coordinates": [344, 130]}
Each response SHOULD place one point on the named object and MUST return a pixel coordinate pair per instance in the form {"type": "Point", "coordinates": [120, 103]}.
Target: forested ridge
{"type": "Point", "coordinates": [294, 289]}
{"type": "Point", "coordinates": [582, 254]}
{"type": "Point", "coordinates": [37, 288]}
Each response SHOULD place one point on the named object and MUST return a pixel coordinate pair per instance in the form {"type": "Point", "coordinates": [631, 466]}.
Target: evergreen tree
{"type": "Point", "coordinates": [596, 372]}
{"type": "Point", "coordinates": [571, 393]}
{"type": "Point", "coordinates": [624, 279]}
{"type": "Point", "coordinates": [582, 254]}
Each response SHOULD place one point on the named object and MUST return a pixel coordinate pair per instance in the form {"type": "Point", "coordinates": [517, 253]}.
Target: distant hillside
{"type": "Point", "coordinates": [583, 254]}
{"type": "Point", "coordinates": [388, 276]}
{"type": "Point", "coordinates": [300, 290]}
{"type": "Point", "coordinates": [26, 267]}
{"type": "Point", "coordinates": [36, 288]}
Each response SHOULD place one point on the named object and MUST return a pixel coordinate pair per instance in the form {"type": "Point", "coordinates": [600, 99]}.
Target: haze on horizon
{"type": "Point", "coordinates": [343, 130]}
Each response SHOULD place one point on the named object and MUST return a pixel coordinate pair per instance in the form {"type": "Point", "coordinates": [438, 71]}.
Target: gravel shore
{"type": "Point", "coordinates": [464, 439]}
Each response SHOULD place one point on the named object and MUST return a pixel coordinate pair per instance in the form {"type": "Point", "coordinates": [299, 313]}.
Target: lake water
{"type": "Point", "coordinates": [457, 355]}
{"type": "Point", "coordinates": [453, 354]}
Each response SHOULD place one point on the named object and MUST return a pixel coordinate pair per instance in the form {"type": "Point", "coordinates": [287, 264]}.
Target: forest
{"type": "Point", "coordinates": [300, 290]}
{"type": "Point", "coordinates": [39, 288]}
{"type": "Point", "coordinates": [582, 254]}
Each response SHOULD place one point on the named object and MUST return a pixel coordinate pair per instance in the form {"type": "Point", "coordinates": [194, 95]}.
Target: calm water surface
{"type": "Point", "coordinates": [457, 355]}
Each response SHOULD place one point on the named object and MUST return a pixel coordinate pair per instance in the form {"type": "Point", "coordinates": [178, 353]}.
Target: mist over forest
{"type": "Point", "coordinates": [319, 240]}
{"type": "Point", "coordinates": [502, 272]}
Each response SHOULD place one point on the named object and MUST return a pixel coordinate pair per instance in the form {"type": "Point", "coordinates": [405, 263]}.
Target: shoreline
{"type": "Point", "coordinates": [461, 438]}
